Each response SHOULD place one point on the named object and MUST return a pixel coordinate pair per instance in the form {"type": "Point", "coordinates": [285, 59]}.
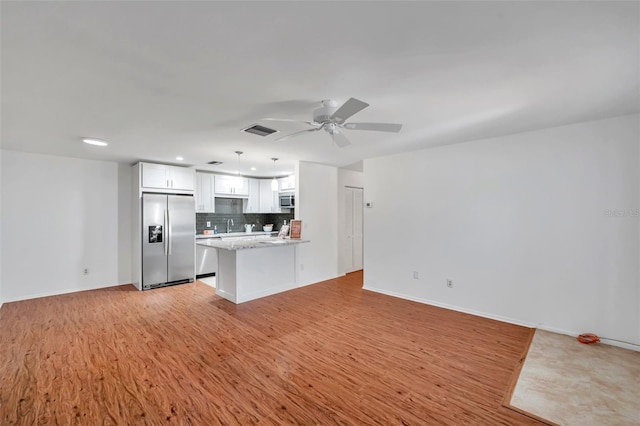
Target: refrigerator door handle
{"type": "Point", "coordinates": [169, 231]}
{"type": "Point", "coordinates": [166, 238]}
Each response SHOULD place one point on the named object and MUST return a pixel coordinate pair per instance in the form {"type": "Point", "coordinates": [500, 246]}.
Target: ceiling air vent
{"type": "Point", "coordinates": [215, 163]}
{"type": "Point", "coordinates": [259, 130]}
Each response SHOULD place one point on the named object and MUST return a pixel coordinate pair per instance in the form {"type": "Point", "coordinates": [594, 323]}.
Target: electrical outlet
{"type": "Point", "coordinates": [86, 271]}
{"type": "Point", "coordinates": [415, 275]}
{"type": "Point", "coordinates": [450, 283]}
{"type": "Point", "coordinates": [208, 224]}
{"type": "Point", "coordinates": [302, 266]}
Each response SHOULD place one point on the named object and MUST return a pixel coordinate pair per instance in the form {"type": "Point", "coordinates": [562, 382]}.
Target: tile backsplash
{"type": "Point", "coordinates": [232, 209]}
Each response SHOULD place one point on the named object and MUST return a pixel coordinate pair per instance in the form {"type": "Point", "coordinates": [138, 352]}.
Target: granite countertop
{"type": "Point", "coordinates": [248, 242]}
{"type": "Point", "coordinates": [233, 234]}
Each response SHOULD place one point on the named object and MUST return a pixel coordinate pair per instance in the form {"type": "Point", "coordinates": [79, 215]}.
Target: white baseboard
{"type": "Point", "coordinates": [59, 292]}
{"type": "Point", "coordinates": [610, 342]}
{"type": "Point", "coordinates": [515, 321]}
{"type": "Point", "coordinates": [452, 307]}
{"type": "Point", "coordinates": [226, 295]}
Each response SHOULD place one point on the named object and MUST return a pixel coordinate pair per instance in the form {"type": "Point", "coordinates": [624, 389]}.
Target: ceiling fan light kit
{"type": "Point", "coordinates": [331, 118]}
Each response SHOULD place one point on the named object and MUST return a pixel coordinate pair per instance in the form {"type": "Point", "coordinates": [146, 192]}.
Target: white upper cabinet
{"type": "Point", "coordinates": [231, 186]}
{"type": "Point", "coordinates": [252, 204]}
{"type": "Point", "coordinates": [287, 183]}
{"type": "Point", "coordinates": [162, 176]}
{"type": "Point", "coordinates": [269, 201]}
{"type": "Point", "coordinates": [205, 201]}
{"type": "Point", "coordinates": [182, 178]}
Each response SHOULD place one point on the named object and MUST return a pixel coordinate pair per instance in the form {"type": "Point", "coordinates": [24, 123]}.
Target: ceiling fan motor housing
{"type": "Point", "coordinates": [326, 110]}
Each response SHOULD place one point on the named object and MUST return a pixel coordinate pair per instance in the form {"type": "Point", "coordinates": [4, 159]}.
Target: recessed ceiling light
{"type": "Point", "coordinates": [179, 158]}
{"type": "Point", "coordinates": [96, 142]}
{"type": "Point", "coordinates": [253, 168]}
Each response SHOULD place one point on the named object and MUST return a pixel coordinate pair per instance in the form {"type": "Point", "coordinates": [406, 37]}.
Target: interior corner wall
{"type": "Point", "coordinates": [538, 228]}
{"type": "Point", "coordinates": [316, 206]}
{"type": "Point", "coordinates": [346, 178]}
{"type": "Point", "coordinates": [60, 215]}
{"type": "Point", "coordinates": [1, 229]}
{"type": "Point", "coordinates": [124, 224]}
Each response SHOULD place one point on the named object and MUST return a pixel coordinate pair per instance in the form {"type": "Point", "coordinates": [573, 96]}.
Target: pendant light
{"type": "Point", "coordinates": [274, 182]}
{"type": "Point", "coordinates": [239, 178]}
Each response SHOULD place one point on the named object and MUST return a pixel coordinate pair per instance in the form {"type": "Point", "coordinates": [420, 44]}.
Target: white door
{"type": "Point", "coordinates": [353, 198]}
{"type": "Point", "coordinates": [357, 228]}
{"type": "Point", "coordinates": [348, 230]}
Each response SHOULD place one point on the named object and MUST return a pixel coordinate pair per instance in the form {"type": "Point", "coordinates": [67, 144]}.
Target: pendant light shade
{"type": "Point", "coordinates": [274, 181]}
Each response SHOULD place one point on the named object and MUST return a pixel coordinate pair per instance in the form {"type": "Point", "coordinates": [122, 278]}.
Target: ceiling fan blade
{"type": "Point", "coordinates": [293, 135]}
{"type": "Point", "coordinates": [347, 109]}
{"type": "Point", "coordinates": [376, 127]}
{"type": "Point", "coordinates": [340, 139]}
{"type": "Point", "coordinates": [288, 120]}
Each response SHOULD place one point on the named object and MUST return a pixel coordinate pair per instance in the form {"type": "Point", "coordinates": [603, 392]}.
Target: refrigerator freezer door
{"type": "Point", "coordinates": [182, 234]}
{"type": "Point", "coordinates": [154, 239]}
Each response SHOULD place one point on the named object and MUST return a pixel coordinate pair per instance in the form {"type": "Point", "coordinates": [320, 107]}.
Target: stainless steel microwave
{"type": "Point", "coordinates": [287, 201]}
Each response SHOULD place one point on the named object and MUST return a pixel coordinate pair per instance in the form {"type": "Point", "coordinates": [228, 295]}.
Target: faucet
{"type": "Point", "coordinates": [228, 227]}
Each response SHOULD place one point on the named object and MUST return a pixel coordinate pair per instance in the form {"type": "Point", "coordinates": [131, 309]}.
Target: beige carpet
{"type": "Point", "coordinates": [570, 383]}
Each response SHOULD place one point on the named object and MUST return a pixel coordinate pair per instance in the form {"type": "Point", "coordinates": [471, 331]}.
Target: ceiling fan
{"type": "Point", "coordinates": [331, 118]}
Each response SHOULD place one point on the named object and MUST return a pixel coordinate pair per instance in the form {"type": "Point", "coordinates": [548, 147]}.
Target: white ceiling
{"type": "Point", "coordinates": [162, 79]}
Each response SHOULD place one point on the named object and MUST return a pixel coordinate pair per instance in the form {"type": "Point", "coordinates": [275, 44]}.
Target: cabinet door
{"type": "Point", "coordinates": [287, 183]}
{"type": "Point", "coordinates": [240, 186]}
{"type": "Point", "coordinates": [198, 193]}
{"type": "Point", "coordinates": [266, 196]}
{"type": "Point", "coordinates": [222, 185]}
{"type": "Point", "coordinates": [181, 178]}
{"type": "Point", "coordinates": [162, 176]}
{"type": "Point", "coordinates": [154, 176]}
{"type": "Point", "coordinates": [276, 203]}
{"type": "Point", "coordinates": [252, 205]}
{"type": "Point", "coordinates": [205, 202]}
{"type": "Point", "coordinates": [232, 185]}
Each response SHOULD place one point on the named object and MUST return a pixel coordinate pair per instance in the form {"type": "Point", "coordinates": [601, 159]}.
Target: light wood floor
{"type": "Point", "coordinates": [329, 353]}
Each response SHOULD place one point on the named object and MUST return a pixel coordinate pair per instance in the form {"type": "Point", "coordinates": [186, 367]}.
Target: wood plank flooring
{"type": "Point", "coordinates": [330, 353]}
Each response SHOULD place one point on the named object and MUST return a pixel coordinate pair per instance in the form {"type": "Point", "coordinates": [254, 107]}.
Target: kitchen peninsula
{"type": "Point", "coordinates": [254, 267]}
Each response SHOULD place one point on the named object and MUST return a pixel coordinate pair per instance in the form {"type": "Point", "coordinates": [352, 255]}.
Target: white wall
{"type": "Point", "coordinates": [61, 215]}
{"type": "Point", "coordinates": [316, 206]}
{"type": "Point", "coordinates": [356, 180]}
{"type": "Point", "coordinates": [124, 223]}
{"type": "Point", "coordinates": [519, 223]}
{"type": "Point", "coordinates": [1, 229]}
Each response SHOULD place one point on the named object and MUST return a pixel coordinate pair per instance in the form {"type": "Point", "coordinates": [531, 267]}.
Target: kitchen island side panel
{"type": "Point", "coordinates": [263, 272]}
{"type": "Point", "coordinates": [226, 275]}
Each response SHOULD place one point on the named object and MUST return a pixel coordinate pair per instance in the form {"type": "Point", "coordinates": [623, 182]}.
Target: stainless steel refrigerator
{"type": "Point", "coordinates": [168, 240]}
